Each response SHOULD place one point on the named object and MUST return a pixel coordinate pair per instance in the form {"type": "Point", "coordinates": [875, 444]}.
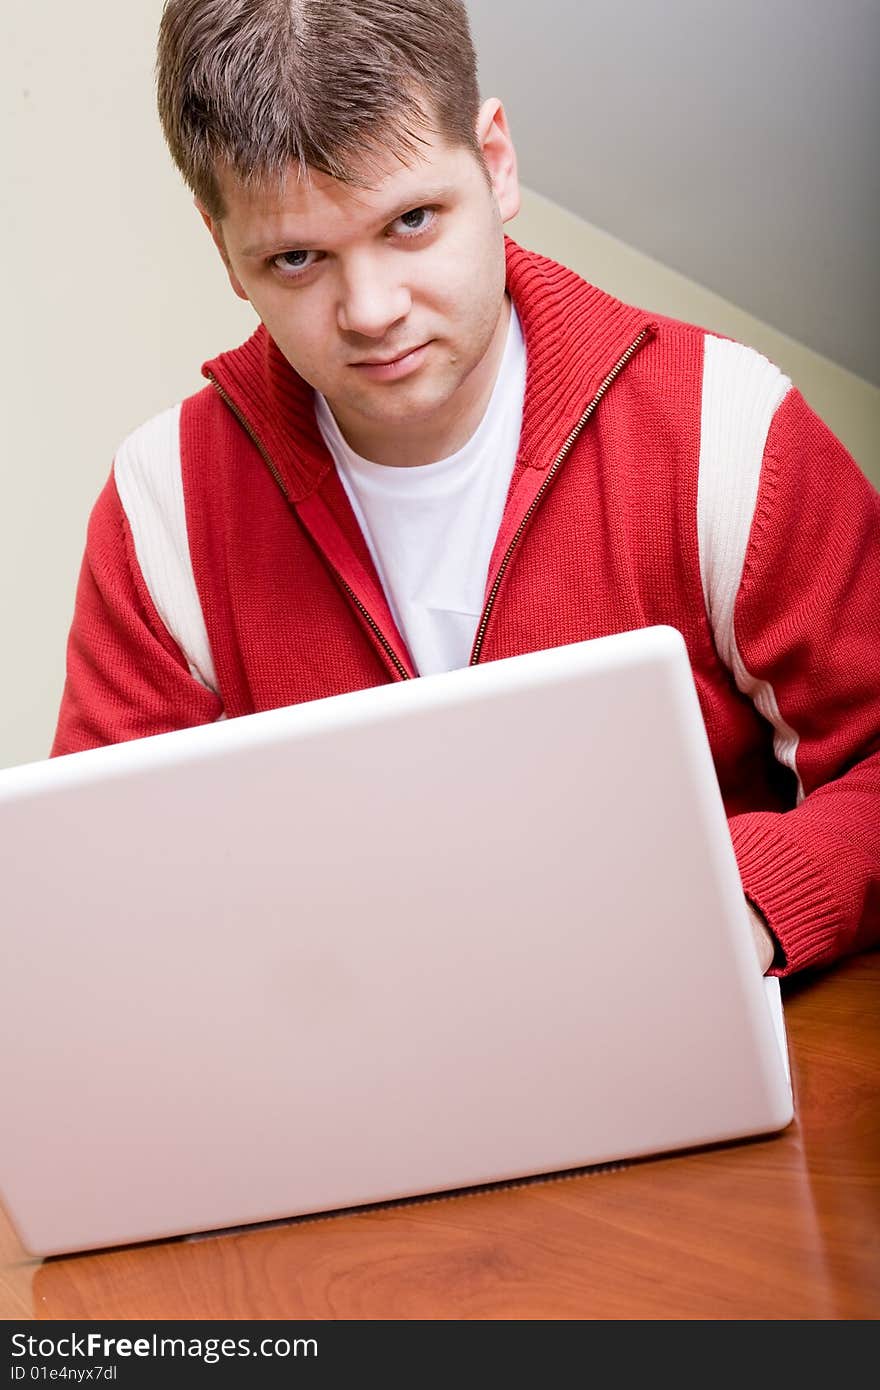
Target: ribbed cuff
{"type": "Point", "coordinates": [802, 910]}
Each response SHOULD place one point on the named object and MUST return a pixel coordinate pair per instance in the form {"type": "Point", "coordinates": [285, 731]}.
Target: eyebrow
{"type": "Point", "coordinates": [423, 198]}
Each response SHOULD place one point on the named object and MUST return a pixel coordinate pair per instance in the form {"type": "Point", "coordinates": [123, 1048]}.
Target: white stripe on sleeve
{"type": "Point", "coordinates": [741, 393]}
{"type": "Point", "coordinates": [150, 486]}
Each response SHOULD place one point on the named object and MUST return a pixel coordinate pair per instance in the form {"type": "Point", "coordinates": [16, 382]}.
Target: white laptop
{"type": "Point", "coordinates": [449, 932]}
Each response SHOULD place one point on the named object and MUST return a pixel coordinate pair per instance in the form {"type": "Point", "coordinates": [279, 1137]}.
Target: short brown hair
{"type": "Point", "coordinates": [330, 85]}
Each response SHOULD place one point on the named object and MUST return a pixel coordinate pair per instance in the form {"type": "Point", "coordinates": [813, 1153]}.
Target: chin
{"type": "Point", "coordinates": [407, 402]}
{"type": "Point", "coordinates": [412, 409]}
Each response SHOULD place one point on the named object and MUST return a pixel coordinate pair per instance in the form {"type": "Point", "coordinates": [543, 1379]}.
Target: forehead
{"type": "Point", "coordinates": [320, 209]}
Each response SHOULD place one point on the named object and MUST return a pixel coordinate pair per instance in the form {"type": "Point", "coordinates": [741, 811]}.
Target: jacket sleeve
{"type": "Point", "coordinates": [126, 677]}
{"type": "Point", "coordinates": [807, 622]}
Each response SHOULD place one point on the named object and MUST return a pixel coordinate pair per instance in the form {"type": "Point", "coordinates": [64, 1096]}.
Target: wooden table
{"type": "Point", "coordinates": [786, 1227]}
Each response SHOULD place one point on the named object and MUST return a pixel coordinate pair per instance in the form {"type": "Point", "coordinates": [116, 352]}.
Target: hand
{"type": "Point", "coordinates": [764, 943]}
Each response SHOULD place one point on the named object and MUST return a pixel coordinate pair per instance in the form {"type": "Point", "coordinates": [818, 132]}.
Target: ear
{"type": "Point", "coordinates": [215, 227]}
{"type": "Point", "coordinates": [493, 135]}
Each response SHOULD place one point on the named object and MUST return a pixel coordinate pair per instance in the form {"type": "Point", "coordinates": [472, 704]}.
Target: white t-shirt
{"type": "Point", "coordinates": [431, 529]}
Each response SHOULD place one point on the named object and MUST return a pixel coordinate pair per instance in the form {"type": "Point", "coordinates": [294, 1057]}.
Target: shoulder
{"type": "Point", "coordinates": [148, 481]}
{"type": "Point", "coordinates": [705, 361]}
{"type": "Point", "coordinates": [146, 455]}
{"type": "Point", "coordinates": [732, 371]}
{"type": "Point", "coordinates": [144, 480]}
{"type": "Point", "coordinates": [736, 389]}
{"type": "Point", "coordinates": [149, 484]}
{"type": "Point", "coordinates": [147, 463]}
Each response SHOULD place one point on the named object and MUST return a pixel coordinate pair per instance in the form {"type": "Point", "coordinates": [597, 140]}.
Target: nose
{"type": "Point", "coordinates": [371, 300]}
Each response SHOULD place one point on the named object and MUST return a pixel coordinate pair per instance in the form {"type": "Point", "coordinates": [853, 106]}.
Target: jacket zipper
{"type": "Point", "coordinates": [551, 473]}
{"type": "Point", "coordinates": [401, 670]}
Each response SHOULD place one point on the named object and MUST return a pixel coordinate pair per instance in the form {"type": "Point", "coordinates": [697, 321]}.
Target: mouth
{"type": "Point", "coordinates": [388, 368]}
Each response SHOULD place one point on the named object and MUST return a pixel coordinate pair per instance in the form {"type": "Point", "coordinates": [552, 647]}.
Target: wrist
{"type": "Point", "coordinates": [765, 942]}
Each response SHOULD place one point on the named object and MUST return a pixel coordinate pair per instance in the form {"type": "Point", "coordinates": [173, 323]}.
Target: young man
{"type": "Point", "coordinates": [439, 448]}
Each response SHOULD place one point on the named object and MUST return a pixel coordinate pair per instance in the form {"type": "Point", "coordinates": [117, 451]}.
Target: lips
{"type": "Point", "coordinates": [403, 364]}
{"type": "Point", "coordinates": [386, 361]}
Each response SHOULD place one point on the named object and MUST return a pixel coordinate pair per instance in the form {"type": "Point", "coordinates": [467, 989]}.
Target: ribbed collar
{"type": "Point", "coordinates": [574, 334]}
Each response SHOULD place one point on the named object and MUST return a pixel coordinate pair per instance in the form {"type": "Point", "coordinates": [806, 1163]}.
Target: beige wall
{"type": "Point", "coordinates": [114, 297]}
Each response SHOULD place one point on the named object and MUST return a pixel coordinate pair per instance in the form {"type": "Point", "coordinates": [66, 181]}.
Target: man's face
{"type": "Point", "coordinates": [388, 300]}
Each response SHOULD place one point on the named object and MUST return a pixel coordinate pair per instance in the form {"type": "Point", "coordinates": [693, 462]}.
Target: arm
{"type": "Point", "coordinates": [126, 677]}
{"type": "Point", "coordinates": [807, 626]}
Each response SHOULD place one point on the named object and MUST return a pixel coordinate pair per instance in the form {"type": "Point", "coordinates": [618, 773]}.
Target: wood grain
{"type": "Point", "coordinates": [780, 1228]}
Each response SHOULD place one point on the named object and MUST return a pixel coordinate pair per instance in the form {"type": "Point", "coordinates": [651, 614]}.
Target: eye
{"type": "Point", "coordinates": [291, 264]}
{"type": "Point", "coordinates": [417, 220]}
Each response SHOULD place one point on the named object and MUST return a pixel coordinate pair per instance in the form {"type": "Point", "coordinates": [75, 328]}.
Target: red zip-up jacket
{"type": "Point", "coordinates": [664, 475]}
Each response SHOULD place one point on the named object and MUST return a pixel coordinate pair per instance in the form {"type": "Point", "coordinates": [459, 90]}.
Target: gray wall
{"type": "Point", "coordinates": [736, 142]}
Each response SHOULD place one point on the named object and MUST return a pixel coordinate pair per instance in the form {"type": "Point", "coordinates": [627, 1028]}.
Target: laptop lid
{"type": "Point", "coordinates": [463, 929]}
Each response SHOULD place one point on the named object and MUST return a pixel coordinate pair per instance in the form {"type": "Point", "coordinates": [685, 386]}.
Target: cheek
{"type": "Point", "coordinates": [456, 281]}
{"type": "Point", "coordinates": [474, 259]}
{"type": "Point", "coordinates": [300, 323]}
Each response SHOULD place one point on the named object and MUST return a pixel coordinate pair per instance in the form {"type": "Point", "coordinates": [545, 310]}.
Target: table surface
{"type": "Point", "coordinates": [786, 1227]}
